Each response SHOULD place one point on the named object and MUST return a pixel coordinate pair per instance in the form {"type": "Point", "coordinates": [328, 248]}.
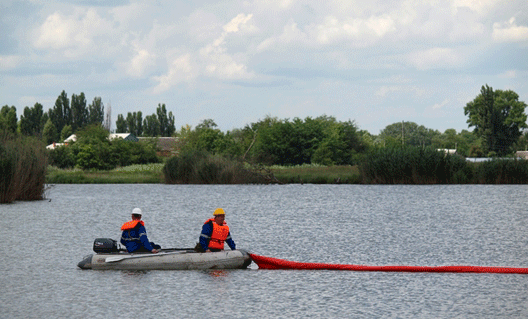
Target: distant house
{"type": "Point", "coordinates": [112, 136]}
{"type": "Point", "coordinates": [522, 154]}
{"type": "Point", "coordinates": [166, 146]}
{"type": "Point", "coordinates": [72, 138]}
{"type": "Point", "coordinates": [55, 145]}
{"type": "Point", "coordinates": [450, 151]}
{"type": "Point", "coordinates": [126, 136]}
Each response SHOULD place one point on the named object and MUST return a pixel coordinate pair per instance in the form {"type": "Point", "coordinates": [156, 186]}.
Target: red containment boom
{"type": "Point", "coordinates": [264, 262]}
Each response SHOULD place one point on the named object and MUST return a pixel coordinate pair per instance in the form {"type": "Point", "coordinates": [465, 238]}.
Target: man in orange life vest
{"type": "Point", "coordinates": [215, 232]}
{"type": "Point", "coordinates": [134, 235]}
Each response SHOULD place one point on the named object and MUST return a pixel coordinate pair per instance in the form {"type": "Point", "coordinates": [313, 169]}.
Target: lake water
{"type": "Point", "coordinates": [481, 225]}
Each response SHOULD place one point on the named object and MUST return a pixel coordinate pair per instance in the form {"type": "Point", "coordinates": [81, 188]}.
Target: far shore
{"type": "Point", "coordinates": [152, 174]}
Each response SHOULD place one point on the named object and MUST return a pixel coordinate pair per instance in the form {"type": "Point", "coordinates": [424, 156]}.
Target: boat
{"type": "Point", "coordinates": [167, 259]}
{"type": "Point", "coordinates": [109, 255]}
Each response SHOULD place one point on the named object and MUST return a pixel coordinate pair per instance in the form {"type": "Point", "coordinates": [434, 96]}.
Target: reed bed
{"type": "Point", "coordinates": [197, 167]}
{"type": "Point", "coordinates": [23, 162]}
{"type": "Point", "coordinates": [317, 174]}
{"type": "Point", "coordinates": [133, 174]}
{"type": "Point", "coordinates": [411, 166]}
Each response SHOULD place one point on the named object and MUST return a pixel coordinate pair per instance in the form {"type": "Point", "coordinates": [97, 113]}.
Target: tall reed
{"type": "Point", "coordinates": [411, 165]}
{"type": "Point", "coordinates": [198, 167]}
{"type": "Point", "coordinates": [23, 162]}
{"type": "Point", "coordinates": [501, 171]}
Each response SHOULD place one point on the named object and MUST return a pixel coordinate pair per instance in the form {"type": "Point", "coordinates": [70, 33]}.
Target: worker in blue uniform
{"type": "Point", "coordinates": [214, 233]}
{"type": "Point", "coordinates": [134, 235]}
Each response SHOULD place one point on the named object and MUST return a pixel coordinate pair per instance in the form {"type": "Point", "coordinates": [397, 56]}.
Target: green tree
{"type": "Point", "coordinates": [31, 121]}
{"type": "Point", "coordinates": [96, 111]}
{"type": "Point", "coordinates": [121, 124]}
{"type": "Point", "coordinates": [166, 122]}
{"type": "Point", "coordinates": [60, 114]}
{"type": "Point", "coordinates": [498, 117]}
{"type": "Point", "coordinates": [49, 133]}
{"type": "Point", "coordinates": [151, 126]}
{"type": "Point", "coordinates": [79, 112]}
{"type": "Point", "coordinates": [408, 134]}
{"type": "Point", "coordinates": [139, 124]}
{"type": "Point", "coordinates": [8, 119]}
{"type": "Point", "coordinates": [131, 123]}
{"type": "Point", "coordinates": [66, 132]}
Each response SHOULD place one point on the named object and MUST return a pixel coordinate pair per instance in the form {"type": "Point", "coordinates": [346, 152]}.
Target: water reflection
{"type": "Point", "coordinates": [217, 273]}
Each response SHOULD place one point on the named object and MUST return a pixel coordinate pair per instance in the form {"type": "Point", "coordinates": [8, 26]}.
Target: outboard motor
{"type": "Point", "coordinates": [105, 246]}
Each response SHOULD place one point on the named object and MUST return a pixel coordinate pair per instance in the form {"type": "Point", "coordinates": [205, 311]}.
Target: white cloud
{"type": "Point", "coordinates": [510, 74]}
{"type": "Point", "coordinates": [435, 58]}
{"type": "Point", "coordinates": [440, 105]}
{"type": "Point", "coordinates": [182, 69]}
{"type": "Point", "coordinates": [291, 34]}
{"type": "Point", "coordinates": [139, 63]}
{"type": "Point", "coordinates": [482, 7]}
{"type": "Point", "coordinates": [8, 62]}
{"type": "Point", "coordinates": [74, 34]}
{"type": "Point", "coordinates": [212, 60]}
{"type": "Point", "coordinates": [239, 22]}
{"type": "Point", "coordinates": [509, 32]}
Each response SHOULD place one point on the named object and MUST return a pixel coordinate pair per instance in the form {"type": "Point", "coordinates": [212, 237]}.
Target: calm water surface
{"type": "Point", "coordinates": [480, 225]}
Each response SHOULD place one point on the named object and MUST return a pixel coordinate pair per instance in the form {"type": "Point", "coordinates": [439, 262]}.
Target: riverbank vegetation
{"type": "Point", "coordinates": [271, 150]}
{"type": "Point", "coordinates": [23, 162]}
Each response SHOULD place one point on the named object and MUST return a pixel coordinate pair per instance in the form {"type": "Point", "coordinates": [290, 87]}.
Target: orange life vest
{"type": "Point", "coordinates": [131, 224]}
{"type": "Point", "coordinates": [219, 235]}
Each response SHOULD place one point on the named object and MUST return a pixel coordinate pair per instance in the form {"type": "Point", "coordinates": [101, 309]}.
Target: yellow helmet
{"type": "Point", "coordinates": [218, 211]}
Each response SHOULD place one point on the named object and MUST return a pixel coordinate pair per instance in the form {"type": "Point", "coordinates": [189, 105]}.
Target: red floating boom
{"type": "Point", "coordinates": [274, 263]}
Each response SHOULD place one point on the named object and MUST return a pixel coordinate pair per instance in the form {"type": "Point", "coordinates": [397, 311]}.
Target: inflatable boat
{"type": "Point", "coordinates": [110, 257]}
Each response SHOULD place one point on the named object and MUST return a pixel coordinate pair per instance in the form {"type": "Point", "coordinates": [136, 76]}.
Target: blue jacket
{"type": "Point", "coordinates": [205, 236]}
{"type": "Point", "coordinates": [136, 238]}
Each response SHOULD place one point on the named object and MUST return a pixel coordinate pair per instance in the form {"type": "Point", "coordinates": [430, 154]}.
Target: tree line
{"type": "Point", "coordinates": [68, 116]}
{"type": "Point", "coordinates": [498, 118]}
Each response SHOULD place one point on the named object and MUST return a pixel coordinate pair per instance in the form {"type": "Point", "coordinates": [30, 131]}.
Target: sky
{"type": "Point", "coordinates": [236, 62]}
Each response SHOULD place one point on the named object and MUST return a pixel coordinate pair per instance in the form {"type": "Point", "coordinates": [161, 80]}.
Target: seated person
{"type": "Point", "coordinates": [134, 235]}
{"type": "Point", "coordinates": [214, 233]}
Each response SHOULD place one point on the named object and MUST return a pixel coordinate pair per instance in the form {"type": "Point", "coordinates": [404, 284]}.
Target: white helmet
{"type": "Point", "coordinates": [137, 211]}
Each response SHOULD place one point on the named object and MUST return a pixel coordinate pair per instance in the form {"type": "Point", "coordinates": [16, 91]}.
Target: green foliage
{"type": "Point", "coordinates": [66, 132]}
{"type": "Point", "coordinates": [498, 117]}
{"type": "Point", "coordinates": [8, 119]}
{"type": "Point", "coordinates": [90, 156]}
{"type": "Point", "coordinates": [62, 157]}
{"type": "Point", "coordinates": [321, 140]}
{"type": "Point", "coordinates": [134, 123]}
{"type": "Point", "coordinates": [31, 122]}
{"type": "Point", "coordinates": [92, 133]}
{"type": "Point", "coordinates": [96, 112]}
{"type": "Point", "coordinates": [198, 167]}
{"type": "Point", "coordinates": [23, 163]}
{"type": "Point", "coordinates": [410, 165]}
{"type": "Point", "coordinates": [94, 151]}
{"type": "Point", "coordinates": [157, 124]}
{"type": "Point", "coordinates": [49, 133]}
{"type": "Point", "coordinates": [121, 124]}
{"type": "Point", "coordinates": [60, 114]}
{"type": "Point", "coordinates": [79, 112]}
{"type": "Point", "coordinates": [501, 171]}
{"type": "Point", "coordinates": [408, 134]}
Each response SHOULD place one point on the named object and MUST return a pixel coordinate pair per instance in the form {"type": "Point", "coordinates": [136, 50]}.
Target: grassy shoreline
{"type": "Point", "coordinates": [153, 174]}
